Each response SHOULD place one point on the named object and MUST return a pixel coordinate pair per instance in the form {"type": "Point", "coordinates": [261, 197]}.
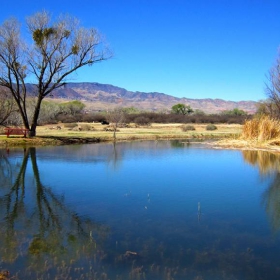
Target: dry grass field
{"type": "Point", "coordinates": [227, 136]}
{"type": "Point", "coordinates": [52, 134]}
{"type": "Point", "coordinates": [132, 132]}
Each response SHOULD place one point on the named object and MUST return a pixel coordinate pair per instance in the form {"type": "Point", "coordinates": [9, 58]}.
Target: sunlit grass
{"type": "Point", "coordinates": [261, 129]}
{"type": "Point", "coordinates": [261, 133]}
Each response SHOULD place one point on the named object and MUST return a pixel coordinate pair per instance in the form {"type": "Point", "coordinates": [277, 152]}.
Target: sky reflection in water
{"type": "Point", "coordinates": [139, 210]}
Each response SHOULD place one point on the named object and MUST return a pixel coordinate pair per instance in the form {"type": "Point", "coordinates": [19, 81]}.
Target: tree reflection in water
{"type": "Point", "coordinates": [271, 202]}
{"type": "Point", "coordinates": [268, 163]}
{"type": "Point", "coordinates": [41, 238]}
{"type": "Point", "coordinates": [39, 234]}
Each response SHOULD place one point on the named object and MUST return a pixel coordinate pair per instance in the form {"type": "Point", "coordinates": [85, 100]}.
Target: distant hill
{"type": "Point", "coordinates": [102, 96]}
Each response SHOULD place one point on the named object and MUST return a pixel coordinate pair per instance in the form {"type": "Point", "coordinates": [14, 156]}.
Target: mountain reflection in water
{"type": "Point", "coordinates": [143, 210]}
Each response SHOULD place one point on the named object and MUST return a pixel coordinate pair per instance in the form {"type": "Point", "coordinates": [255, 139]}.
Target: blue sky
{"type": "Point", "coordinates": [194, 49]}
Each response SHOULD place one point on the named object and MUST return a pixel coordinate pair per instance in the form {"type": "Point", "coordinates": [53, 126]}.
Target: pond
{"type": "Point", "coordinates": [139, 210]}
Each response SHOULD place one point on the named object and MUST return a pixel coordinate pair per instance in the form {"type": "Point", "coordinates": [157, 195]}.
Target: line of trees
{"type": "Point", "coordinates": [146, 118]}
{"type": "Point", "coordinates": [74, 111]}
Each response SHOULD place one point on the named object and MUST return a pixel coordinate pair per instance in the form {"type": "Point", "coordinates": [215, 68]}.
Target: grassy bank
{"type": "Point", "coordinates": [260, 133]}
{"type": "Point", "coordinates": [95, 132]}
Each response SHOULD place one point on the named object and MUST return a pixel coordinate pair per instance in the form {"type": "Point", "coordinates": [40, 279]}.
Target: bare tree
{"type": "Point", "coordinates": [6, 107]}
{"type": "Point", "coordinates": [115, 117]}
{"type": "Point", "coordinates": [273, 89]}
{"type": "Point", "coordinates": [58, 49]}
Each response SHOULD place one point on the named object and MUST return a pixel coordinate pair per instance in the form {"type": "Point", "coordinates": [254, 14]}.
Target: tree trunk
{"type": "Point", "coordinates": [23, 113]}
{"type": "Point", "coordinates": [32, 131]}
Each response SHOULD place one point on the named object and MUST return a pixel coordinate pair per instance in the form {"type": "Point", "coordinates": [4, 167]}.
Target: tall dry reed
{"type": "Point", "coordinates": [261, 129]}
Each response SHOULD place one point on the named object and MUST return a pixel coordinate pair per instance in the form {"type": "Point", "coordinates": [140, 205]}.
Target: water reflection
{"type": "Point", "coordinates": [271, 202]}
{"type": "Point", "coordinates": [164, 211]}
{"type": "Point", "coordinates": [268, 163]}
{"type": "Point", "coordinates": [5, 169]}
{"type": "Point", "coordinates": [177, 144]}
{"type": "Point", "coordinates": [115, 157]}
{"type": "Point", "coordinates": [38, 230]}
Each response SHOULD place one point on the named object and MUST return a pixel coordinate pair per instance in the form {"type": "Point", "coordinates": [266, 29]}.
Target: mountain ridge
{"type": "Point", "coordinates": [99, 96]}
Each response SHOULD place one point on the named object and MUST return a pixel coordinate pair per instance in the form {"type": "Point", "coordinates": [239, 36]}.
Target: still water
{"type": "Point", "coordinates": [139, 210]}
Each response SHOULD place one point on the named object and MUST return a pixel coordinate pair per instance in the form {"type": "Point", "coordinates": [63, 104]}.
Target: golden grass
{"type": "Point", "coordinates": [262, 133]}
{"type": "Point", "coordinates": [261, 129]}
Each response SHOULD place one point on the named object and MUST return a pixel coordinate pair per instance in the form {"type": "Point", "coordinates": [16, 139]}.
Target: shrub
{"type": "Point", "coordinates": [187, 128]}
{"type": "Point", "coordinates": [261, 129]}
{"type": "Point", "coordinates": [211, 127]}
{"type": "Point", "coordinates": [85, 127]}
{"type": "Point", "coordinates": [142, 121]}
{"type": "Point", "coordinates": [93, 117]}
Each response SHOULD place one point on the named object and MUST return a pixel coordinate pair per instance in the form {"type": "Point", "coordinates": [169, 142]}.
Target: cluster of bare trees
{"type": "Point", "coordinates": [271, 106]}
{"type": "Point", "coordinates": [58, 49]}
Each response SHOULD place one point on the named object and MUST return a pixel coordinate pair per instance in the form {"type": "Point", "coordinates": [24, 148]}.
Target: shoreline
{"type": "Point", "coordinates": [69, 140]}
{"type": "Point", "coordinates": [227, 136]}
{"type": "Point", "coordinates": [239, 144]}
{"type": "Point", "coordinates": [215, 143]}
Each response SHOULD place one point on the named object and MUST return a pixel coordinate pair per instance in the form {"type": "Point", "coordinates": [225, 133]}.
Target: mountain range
{"type": "Point", "coordinates": [99, 97]}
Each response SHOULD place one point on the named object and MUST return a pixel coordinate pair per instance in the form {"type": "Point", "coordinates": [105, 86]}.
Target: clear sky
{"type": "Point", "coordinates": [192, 48]}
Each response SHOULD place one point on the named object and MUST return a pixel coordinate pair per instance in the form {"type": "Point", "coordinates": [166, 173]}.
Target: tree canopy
{"type": "Point", "coordinates": [234, 112]}
{"type": "Point", "coordinates": [182, 109]}
{"type": "Point", "coordinates": [58, 48]}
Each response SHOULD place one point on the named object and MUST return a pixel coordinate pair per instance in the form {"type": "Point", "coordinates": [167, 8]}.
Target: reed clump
{"type": "Point", "coordinates": [261, 129]}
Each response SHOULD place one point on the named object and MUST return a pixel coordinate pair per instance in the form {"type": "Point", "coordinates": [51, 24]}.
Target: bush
{"type": "Point", "coordinates": [93, 117]}
{"type": "Point", "coordinates": [142, 121]}
{"type": "Point", "coordinates": [85, 127]}
{"type": "Point", "coordinates": [187, 128]}
{"type": "Point", "coordinates": [211, 127]}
